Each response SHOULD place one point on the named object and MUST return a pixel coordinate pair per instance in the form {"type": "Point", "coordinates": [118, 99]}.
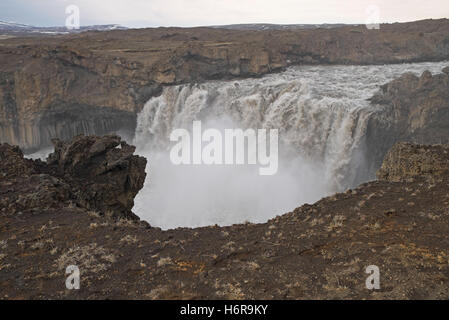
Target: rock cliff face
{"type": "Point", "coordinates": [95, 173]}
{"type": "Point", "coordinates": [94, 83]}
{"type": "Point", "coordinates": [412, 109]}
{"type": "Point", "coordinates": [317, 251]}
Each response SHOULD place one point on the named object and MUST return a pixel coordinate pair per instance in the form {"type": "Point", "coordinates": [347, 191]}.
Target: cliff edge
{"type": "Point", "coordinates": [407, 161]}
{"type": "Point", "coordinates": [317, 251]}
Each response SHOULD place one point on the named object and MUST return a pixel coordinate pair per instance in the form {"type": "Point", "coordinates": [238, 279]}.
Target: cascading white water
{"type": "Point", "coordinates": [321, 113]}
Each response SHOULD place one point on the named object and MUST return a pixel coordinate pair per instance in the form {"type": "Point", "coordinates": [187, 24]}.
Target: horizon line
{"type": "Point", "coordinates": [217, 25]}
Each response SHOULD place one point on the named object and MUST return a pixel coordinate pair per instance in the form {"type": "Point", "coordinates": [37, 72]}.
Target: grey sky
{"type": "Point", "coordinates": [141, 13]}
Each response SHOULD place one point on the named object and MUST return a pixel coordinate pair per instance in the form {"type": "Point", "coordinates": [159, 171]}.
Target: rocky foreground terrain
{"type": "Point", "coordinates": [74, 209]}
{"type": "Point", "coordinates": [96, 82]}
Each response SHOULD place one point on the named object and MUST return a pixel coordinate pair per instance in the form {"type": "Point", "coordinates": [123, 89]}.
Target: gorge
{"type": "Point", "coordinates": [363, 173]}
{"type": "Point", "coordinates": [326, 141]}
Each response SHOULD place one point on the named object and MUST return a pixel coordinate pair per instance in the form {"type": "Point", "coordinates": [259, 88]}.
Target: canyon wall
{"type": "Point", "coordinates": [96, 82]}
{"type": "Point", "coordinates": [412, 109]}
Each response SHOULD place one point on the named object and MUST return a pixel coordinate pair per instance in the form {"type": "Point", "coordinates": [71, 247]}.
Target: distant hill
{"type": "Point", "coordinates": [12, 28]}
{"type": "Point", "coordinates": [268, 26]}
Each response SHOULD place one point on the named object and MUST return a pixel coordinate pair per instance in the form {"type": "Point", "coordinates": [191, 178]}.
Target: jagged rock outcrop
{"type": "Point", "coordinates": [24, 187]}
{"type": "Point", "coordinates": [95, 173]}
{"type": "Point", "coordinates": [95, 83]}
{"type": "Point", "coordinates": [406, 160]}
{"type": "Point", "coordinates": [411, 109]}
{"type": "Point", "coordinates": [104, 170]}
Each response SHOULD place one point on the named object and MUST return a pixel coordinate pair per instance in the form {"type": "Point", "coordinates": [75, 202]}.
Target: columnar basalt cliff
{"type": "Point", "coordinates": [94, 83]}
{"type": "Point", "coordinates": [318, 251]}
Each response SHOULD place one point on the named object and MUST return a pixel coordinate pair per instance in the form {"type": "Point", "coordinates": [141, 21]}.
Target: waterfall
{"type": "Point", "coordinates": [321, 113]}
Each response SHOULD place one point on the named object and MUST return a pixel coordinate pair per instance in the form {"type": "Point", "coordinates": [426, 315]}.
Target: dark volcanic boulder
{"type": "Point", "coordinates": [102, 171]}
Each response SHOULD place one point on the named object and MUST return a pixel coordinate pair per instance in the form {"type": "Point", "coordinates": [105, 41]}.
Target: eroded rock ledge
{"type": "Point", "coordinates": [317, 251]}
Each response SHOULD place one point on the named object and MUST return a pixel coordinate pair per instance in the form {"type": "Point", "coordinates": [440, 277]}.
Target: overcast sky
{"type": "Point", "coordinates": [151, 13]}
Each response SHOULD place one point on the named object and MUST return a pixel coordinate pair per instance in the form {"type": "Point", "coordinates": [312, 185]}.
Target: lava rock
{"type": "Point", "coordinates": [103, 171]}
